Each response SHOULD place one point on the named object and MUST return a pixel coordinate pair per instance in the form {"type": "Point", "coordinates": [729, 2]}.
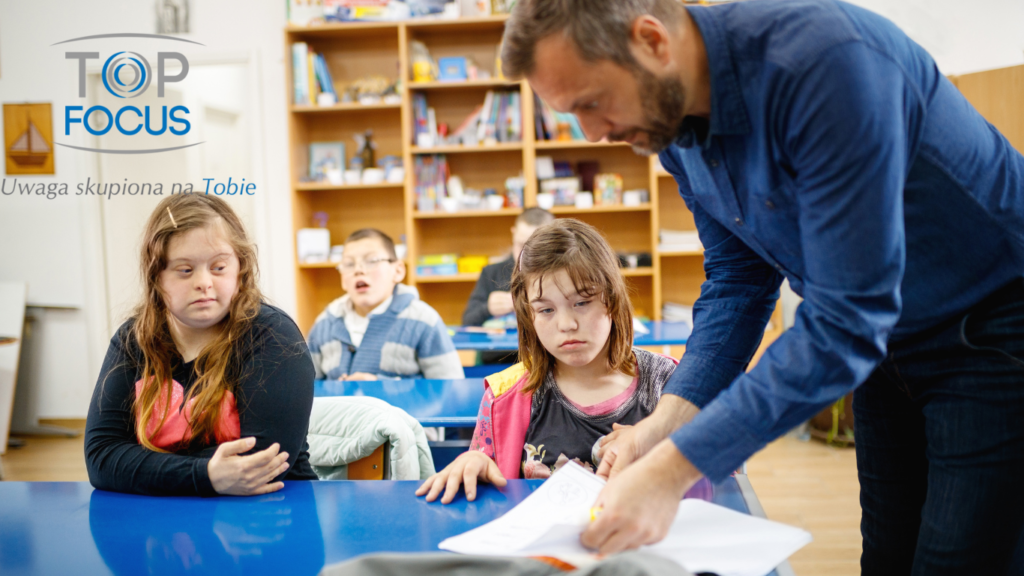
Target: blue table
{"type": "Point", "coordinates": [70, 528]}
{"type": "Point", "coordinates": [450, 403]}
{"type": "Point", "coordinates": [662, 334]}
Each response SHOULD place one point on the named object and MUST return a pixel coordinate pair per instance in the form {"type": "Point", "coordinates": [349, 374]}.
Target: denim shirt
{"type": "Point", "coordinates": [836, 156]}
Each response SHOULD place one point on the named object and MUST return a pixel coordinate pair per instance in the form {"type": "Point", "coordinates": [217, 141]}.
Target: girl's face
{"type": "Point", "coordinates": [201, 277]}
{"type": "Point", "coordinates": [573, 328]}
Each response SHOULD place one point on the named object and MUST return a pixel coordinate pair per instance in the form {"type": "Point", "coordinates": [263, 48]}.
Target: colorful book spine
{"type": "Point", "coordinates": [314, 90]}
{"type": "Point", "coordinates": [485, 117]}
{"type": "Point", "coordinates": [517, 118]}
{"type": "Point", "coordinates": [300, 82]}
{"type": "Point", "coordinates": [323, 75]}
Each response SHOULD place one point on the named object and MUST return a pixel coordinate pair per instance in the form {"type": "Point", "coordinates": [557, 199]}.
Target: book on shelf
{"type": "Point", "coordinates": [435, 259]}
{"type": "Point", "coordinates": [310, 76]}
{"type": "Point", "coordinates": [498, 120]}
{"type": "Point", "coordinates": [547, 122]}
{"type": "Point", "coordinates": [485, 114]}
{"type": "Point", "coordinates": [300, 82]}
{"type": "Point", "coordinates": [673, 312]}
{"type": "Point", "coordinates": [679, 241]}
{"type": "Point", "coordinates": [430, 175]}
{"type": "Point", "coordinates": [314, 89]}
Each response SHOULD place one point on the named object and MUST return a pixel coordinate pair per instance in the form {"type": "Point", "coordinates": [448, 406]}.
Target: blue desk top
{"type": "Point", "coordinates": [70, 528]}
{"type": "Point", "coordinates": [662, 334]}
{"type": "Point", "coordinates": [453, 403]}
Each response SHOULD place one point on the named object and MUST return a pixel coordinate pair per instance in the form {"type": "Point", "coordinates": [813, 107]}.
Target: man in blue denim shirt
{"type": "Point", "coordinates": [814, 141]}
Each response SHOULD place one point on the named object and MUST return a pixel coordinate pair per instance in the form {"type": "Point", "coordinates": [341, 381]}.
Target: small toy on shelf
{"type": "Point", "coordinates": [365, 149]}
{"type": "Point", "coordinates": [607, 189]}
{"type": "Point", "coordinates": [372, 90]}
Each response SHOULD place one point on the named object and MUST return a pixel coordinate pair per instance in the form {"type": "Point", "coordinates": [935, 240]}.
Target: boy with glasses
{"type": "Point", "coordinates": [379, 328]}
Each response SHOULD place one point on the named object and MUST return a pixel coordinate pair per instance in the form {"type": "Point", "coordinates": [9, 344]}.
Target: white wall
{"type": "Point", "coordinates": [60, 372]}
{"type": "Point", "coordinates": [963, 36]}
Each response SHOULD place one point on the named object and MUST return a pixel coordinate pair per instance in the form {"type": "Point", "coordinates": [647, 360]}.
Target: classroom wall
{"type": "Point", "coordinates": [962, 36]}
{"type": "Point", "coordinates": [61, 371]}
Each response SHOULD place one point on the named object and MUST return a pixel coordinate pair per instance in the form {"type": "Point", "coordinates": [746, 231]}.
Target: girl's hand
{"type": "Point", "coordinates": [621, 447]}
{"type": "Point", "coordinates": [465, 469]}
{"type": "Point", "coordinates": [246, 475]}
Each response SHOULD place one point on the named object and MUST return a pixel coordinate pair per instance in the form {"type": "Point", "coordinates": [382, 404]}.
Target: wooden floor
{"type": "Point", "coordinates": [814, 487]}
{"type": "Point", "coordinates": [805, 484]}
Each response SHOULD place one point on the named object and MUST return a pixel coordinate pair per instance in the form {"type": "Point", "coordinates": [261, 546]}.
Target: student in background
{"type": "Point", "coordinates": [580, 379]}
{"type": "Point", "coordinates": [206, 389]}
{"type": "Point", "coordinates": [491, 297]}
{"type": "Point", "coordinates": [380, 328]}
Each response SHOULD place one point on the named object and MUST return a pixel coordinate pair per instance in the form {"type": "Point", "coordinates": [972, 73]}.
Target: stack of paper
{"type": "Point", "coordinates": [679, 241]}
{"type": "Point", "coordinates": [672, 312]}
{"type": "Point", "coordinates": [705, 537]}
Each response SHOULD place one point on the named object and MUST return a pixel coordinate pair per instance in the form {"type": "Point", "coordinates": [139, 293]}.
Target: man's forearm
{"type": "Point", "coordinates": [671, 413]}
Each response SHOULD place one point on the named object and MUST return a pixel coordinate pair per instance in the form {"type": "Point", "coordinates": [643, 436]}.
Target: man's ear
{"type": "Point", "coordinates": [649, 42]}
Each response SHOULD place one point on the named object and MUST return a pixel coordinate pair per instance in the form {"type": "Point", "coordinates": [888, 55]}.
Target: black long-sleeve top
{"type": "Point", "coordinates": [274, 396]}
{"type": "Point", "coordinates": [494, 277]}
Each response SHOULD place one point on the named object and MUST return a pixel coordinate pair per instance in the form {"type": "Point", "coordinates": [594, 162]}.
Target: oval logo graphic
{"type": "Point", "coordinates": [127, 74]}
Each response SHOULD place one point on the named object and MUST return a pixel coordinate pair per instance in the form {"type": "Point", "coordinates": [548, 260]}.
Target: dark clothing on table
{"type": "Point", "coordinates": [939, 436]}
{"type": "Point", "coordinates": [274, 396]}
{"type": "Point", "coordinates": [493, 278]}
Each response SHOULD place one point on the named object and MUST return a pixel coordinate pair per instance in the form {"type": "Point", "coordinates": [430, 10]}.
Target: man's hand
{"type": "Point", "coordinates": [246, 475]}
{"type": "Point", "coordinates": [625, 444]}
{"type": "Point", "coordinates": [640, 503]}
{"type": "Point", "coordinates": [500, 303]}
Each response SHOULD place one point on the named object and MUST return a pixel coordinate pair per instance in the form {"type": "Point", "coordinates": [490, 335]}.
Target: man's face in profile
{"type": "Point", "coordinates": [611, 101]}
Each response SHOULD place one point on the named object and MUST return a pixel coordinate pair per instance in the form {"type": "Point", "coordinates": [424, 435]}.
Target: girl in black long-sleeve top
{"type": "Point", "coordinates": [205, 390]}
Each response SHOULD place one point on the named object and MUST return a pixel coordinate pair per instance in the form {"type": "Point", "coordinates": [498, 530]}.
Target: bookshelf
{"type": "Point", "coordinates": [354, 50]}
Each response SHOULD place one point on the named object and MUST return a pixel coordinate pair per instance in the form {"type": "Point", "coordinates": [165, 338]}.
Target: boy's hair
{"type": "Point", "coordinates": [535, 217]}
{"type": "Point", "coordinates": [599, 29]}
{"type": "Point", "coordinates": [580, 250]}
{"type": "Point", "coordinates": [217, 366]}
{"type": "Point", "coordinates": [364, 233]}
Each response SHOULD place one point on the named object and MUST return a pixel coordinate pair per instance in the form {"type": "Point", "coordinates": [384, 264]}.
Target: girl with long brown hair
{"type": "Point", "coordinates": [580, 376]}
{"type": "Point", "coordinates": [205, 389]}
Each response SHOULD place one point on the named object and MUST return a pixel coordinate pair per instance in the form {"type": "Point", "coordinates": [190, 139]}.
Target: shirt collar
{"type": "Point", "coordinates": [380, 309]}
{"type": "Point", "coordinates": [728, 110]}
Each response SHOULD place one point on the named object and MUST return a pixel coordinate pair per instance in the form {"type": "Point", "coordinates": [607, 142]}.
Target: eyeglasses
{"type": "Point", "coordinates": [368, 264]}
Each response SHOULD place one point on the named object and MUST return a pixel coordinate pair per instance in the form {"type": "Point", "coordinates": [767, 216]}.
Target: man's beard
{"type": "Point", "coordinates": [662, 101]}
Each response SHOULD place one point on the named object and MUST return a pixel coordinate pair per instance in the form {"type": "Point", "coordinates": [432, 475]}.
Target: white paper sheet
{"type": "Point", "coordinates": [704, 537]}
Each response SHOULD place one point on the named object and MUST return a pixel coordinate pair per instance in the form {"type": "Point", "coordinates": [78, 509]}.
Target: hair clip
{"type": "Point", "coordinates": [172, 217]}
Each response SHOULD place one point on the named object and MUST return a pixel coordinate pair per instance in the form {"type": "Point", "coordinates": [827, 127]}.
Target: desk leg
{"type": "Point", "coordinates": [754, 505]}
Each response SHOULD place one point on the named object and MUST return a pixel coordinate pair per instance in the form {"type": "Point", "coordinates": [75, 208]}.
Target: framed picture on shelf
{"type": "Point", "coordinates": [326, 161]}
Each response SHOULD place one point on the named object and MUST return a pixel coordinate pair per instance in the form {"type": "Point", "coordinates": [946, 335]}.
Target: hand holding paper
{"type": "Point", "coordinates": [703, 537]}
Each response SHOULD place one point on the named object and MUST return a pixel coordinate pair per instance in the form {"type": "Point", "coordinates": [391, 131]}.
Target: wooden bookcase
{"type": "Point", "coordinates": [354, 50]}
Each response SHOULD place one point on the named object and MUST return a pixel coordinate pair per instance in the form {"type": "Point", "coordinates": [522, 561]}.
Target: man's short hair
{"type": "Point", "coordinates": [600, 29]}
{"type": "Point", "coordinates": [364, 233]}
{"type": "Point", "coordinates": [535, 217]}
